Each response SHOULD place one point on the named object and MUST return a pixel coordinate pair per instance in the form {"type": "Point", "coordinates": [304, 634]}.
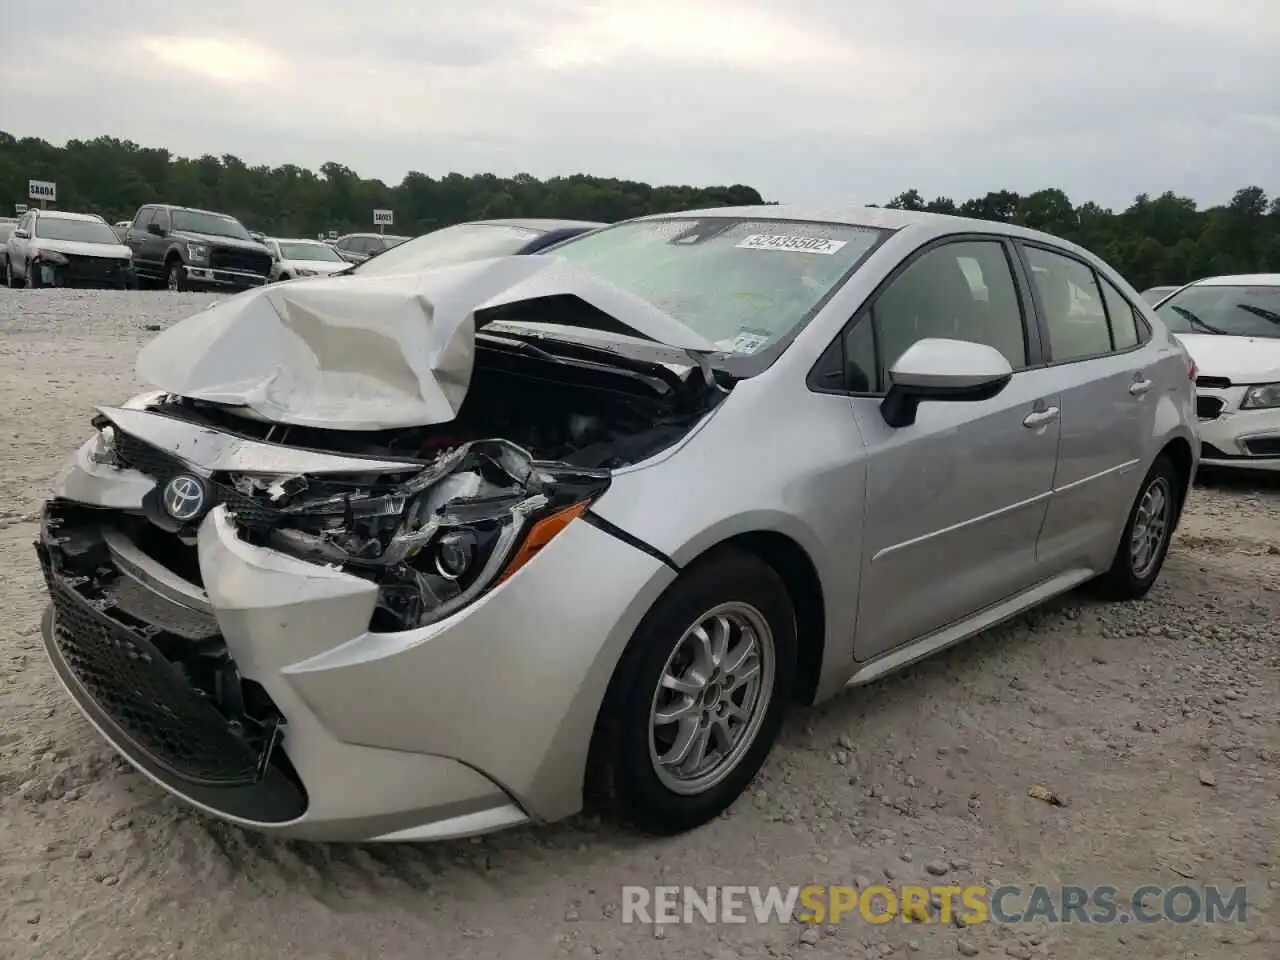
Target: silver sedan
{"type": "Point", "coordinates": [422, 556]}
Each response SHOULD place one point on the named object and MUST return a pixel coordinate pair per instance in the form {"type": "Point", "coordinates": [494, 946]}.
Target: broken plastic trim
{"type": "Point", "coordinates": [491, 491]}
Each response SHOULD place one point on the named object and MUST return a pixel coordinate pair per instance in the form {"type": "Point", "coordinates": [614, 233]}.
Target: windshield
{"type": "Point", "coordinates": [1238, 311]}
{"type": "Point", "coordinates": [309, 251]}
{"type": "Point", "coordinates": [213, 224]}
{"type": "Point", "coordinates": [456, 244]}
{"type": "Point", "coordinates": [742, 283]}
{"type": "Point", "coordinates": [81, 231]}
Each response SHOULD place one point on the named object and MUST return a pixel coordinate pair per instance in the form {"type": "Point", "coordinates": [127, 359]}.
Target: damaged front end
{"type": "Point", "coordinates": [433, 541]}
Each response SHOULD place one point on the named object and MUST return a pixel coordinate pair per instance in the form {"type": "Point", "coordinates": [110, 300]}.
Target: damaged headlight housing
{"type": "Point", "coordinates": [439, 540]}
{"type": "Point", "coordinates": [1264, 396]}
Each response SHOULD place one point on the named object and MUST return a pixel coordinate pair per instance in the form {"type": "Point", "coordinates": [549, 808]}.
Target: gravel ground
{"type": "Point", "coordinates": [1155, 722]}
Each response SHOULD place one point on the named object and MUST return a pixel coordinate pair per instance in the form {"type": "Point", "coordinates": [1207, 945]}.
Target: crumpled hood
{"type": "Point", "coordinates": [1239, 359]}
{"type": "Point", "coordinates": [374, 353]}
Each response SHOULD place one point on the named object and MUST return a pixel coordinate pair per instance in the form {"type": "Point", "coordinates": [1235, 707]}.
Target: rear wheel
{"type": "Point", "coordinates": [698, 697]}
{"type": "Point", "coordinates": [1145, 541]}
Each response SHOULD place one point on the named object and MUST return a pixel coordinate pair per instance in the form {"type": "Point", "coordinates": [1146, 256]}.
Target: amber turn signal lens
{"type": "Point", "coordinates": [542, 533]}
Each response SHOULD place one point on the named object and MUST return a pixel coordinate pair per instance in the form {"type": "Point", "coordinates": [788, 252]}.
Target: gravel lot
{"type": "Point", "coordinates": [1156, 722]}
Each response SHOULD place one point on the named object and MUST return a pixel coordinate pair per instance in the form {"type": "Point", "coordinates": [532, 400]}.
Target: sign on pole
{"type": "Point", "coordinates": [19, 208]}
{"type": "Point", "coordinates": [383, 218]}
{"type": "Point", "coordinates": [42, 190]}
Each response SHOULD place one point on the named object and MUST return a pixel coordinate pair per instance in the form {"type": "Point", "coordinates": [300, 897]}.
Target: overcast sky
{"type": "Point", "coordinates": [849, 100]}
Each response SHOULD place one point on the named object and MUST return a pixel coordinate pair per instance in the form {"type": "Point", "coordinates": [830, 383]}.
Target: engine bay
{"type": "Point", "coordinates": [578, 406]}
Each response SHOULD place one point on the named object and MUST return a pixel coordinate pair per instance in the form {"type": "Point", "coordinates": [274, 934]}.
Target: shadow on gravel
{"type": "Point", "coordinates": [1265, 482]}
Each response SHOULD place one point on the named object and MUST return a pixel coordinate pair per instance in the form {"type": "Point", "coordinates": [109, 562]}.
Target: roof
{"type": "Point", "coordinates": [67, 215]}
{"type": "Point", "coordinates": [1241, 280]}
{"type": "Point", "coordinates": [882, 218]}
{"type": "Point", "coordinates": [178, 206]}
{"type": "Point", "coordinates": [544, 224]}
{"type": "Point", "coordinates": [311, 240]}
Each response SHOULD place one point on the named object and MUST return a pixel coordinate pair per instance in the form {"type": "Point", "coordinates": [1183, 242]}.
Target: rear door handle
{"type": "Point", "coordinates": [1139, 387]}
{"type": "Point", "coordinates": [1039, 418]}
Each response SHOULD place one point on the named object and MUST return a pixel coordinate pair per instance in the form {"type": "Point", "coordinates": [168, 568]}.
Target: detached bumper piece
{"type": "Point", "coordinates": [166, 694]}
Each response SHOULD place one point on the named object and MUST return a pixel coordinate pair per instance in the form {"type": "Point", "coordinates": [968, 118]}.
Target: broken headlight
{"type": "Point", "coordinates": [438, 541]}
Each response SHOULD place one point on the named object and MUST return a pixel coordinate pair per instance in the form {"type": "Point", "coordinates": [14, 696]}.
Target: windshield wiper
{"type": "Point", "coordinates": [1262, 312]}
{"type": "Point", "coordinates": [1195, 321]}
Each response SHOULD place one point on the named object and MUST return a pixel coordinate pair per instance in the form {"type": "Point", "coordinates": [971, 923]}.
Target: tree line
{"type": "Point", "coordinates": [1160, 239]}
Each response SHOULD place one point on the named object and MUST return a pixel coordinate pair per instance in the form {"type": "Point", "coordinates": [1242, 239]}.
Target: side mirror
{"type": "Point", "coordinates": [155, 229]}
{"type": "Point", "coordinates": [941, 369]}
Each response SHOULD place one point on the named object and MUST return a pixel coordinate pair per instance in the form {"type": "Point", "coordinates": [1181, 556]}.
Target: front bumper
{"type": "Point", "coordinates": [87, 272]}
{"type": "Point", "coordinates": [215, 277]}
{"type": "Point", "coordinates": [472, 724]}
{"type": "Point", "coordinates": [1235, 438]}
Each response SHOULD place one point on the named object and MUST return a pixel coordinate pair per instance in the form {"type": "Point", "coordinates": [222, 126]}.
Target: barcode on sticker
{"type": "Point", "coordinates": [780, 241]}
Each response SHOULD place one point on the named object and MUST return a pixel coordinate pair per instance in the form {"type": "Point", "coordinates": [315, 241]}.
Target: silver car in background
{"type": "Point", "coordinates": [292, 258]}
{"type": "Point", "coordinates": [420, 556]}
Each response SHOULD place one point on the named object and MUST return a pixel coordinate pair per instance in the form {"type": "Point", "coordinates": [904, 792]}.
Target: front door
{"type": "Point", "coordinates": [955, 501]}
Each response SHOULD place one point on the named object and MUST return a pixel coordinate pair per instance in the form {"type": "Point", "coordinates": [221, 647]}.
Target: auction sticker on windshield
{"type": "Point", "coordinates": [749, 341]}
{"type": "Point", "coordinates": [795, 244]}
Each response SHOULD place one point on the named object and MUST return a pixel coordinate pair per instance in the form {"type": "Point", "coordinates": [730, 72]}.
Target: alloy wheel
{"type": "Point", "coordinates": [712, 696]}
{"type": "Point", "coordinates": [1150, 527]}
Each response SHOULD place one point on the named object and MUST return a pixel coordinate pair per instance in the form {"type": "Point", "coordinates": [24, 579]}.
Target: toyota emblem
{"type": "Point", "coordinates": [184, 498]}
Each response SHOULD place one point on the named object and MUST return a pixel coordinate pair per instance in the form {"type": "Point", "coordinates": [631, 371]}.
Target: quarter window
{"type": "Point", "coordinates": [959, 291]}
{"type": "Point", "coordinates": [1073, 306]}
{"type": "Point", "coordinates": [1124, 322]}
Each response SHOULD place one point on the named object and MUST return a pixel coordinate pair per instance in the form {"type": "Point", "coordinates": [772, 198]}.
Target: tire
{"type": "Point", "coordinates": [9, 280]}
{"type": "Point", "coordinates": [1133, 570]}
{"type": "Point", "coordinates": [33, 277]}
{"type": "Point", "coordinates": [175, 276]}
{"type": "Point", "coordinates": [623, 778]}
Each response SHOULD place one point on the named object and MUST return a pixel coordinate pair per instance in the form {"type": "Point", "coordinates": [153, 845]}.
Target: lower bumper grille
{"type": "Point", "coordinates": [121, 667]}
{"type": "Point", "coordinates": [1263, 446]}
{"type": "Point", "coordinates": [1208, 408]}
{"type": "Point", "coordinates": [92, 271]}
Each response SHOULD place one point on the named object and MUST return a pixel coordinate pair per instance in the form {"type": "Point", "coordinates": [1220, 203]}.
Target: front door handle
{"type": "Point", "coordinates": [1039, 418]}
{"type": "Point", "coordinates": [1139, 387]}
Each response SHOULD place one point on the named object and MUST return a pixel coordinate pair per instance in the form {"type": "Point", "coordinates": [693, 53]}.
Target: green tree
{"type": "Point", "coordinates": [1160, 238]}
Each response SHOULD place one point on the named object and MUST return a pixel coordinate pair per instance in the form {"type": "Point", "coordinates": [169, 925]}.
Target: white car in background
{"type": "Point", "coordinates": [302, 258]}
{"type": "Point", "coordinates": [54, 248]}
{"type": "Point", "coordinates": [1231, 328]}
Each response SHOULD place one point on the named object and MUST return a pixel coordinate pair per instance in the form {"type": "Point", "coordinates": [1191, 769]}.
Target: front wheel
{"type": "Point", "coordinates": [1145, 541]}
{"type": "Point", "coordinates": [33, 275]}
{"type": "Point", "coordinates": [698, 697]}
{"type": "Point", "coordinates": [176, 277]}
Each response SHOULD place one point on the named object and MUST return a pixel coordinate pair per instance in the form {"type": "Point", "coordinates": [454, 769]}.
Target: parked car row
{"type": "Point", "coordinates": [182, 248]}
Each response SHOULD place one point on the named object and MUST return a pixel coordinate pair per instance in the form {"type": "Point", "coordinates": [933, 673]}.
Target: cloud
{"type": "Point", "coordinates": [805, 99]}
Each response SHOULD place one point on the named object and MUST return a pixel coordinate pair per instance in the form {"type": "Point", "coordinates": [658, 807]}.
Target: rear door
{"type": "Point", "coordinates": [1096, 347]}
{"type": "Point", "coordinates": [955, 501]}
